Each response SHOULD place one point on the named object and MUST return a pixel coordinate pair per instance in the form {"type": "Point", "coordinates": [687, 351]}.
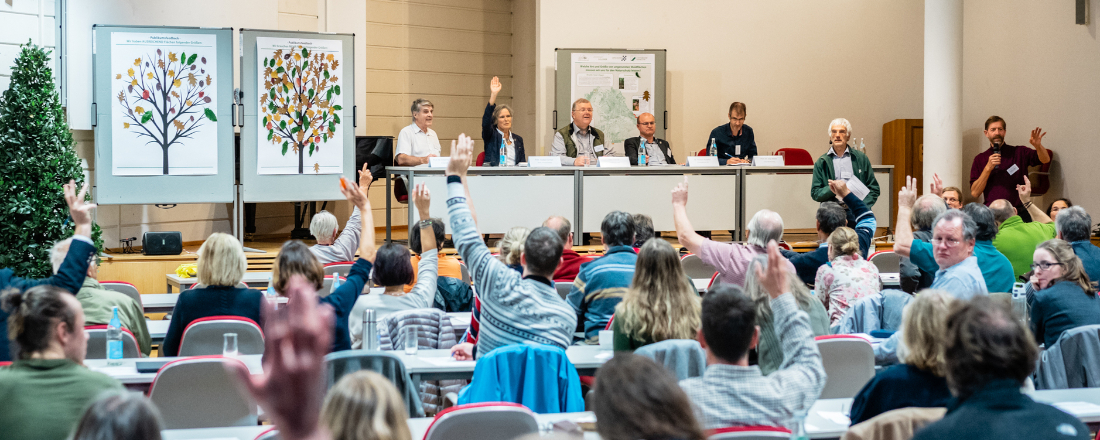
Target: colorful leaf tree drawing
{"type": "Point", "coordinates": [165, 98]}
{"type": "Point", "coordinates": [298, 106]}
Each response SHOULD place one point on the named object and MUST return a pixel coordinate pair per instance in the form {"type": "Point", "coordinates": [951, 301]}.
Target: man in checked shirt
{"type": "Point", "coordinates": [732, 393]}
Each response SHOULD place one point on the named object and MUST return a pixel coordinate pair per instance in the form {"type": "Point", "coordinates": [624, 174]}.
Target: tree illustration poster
{"type": "Point", "coordinates": [164, 107]}
{"type": "Point", "coordinates": [301, 109]}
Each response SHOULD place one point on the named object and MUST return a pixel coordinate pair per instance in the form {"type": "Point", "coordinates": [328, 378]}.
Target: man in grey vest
{"type": "Point", "coordinates": [575, 142]}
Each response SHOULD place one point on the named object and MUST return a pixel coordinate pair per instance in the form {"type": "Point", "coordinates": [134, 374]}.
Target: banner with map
{"type": "Point", "coordinates": [620, 87]}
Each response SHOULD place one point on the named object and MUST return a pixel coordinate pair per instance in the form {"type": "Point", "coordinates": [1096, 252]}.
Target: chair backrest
{"type": "Point", "coordinates": [886, 261]}
{"type": "Point", "coordinates": [123, 287]}
{"type": "Point", "coordinates": [712, 278]}
{"type": "Point", "coordinates": [1071, 362]}
{"type": "Point", "coordinates": [271, 433]}
{"type": "Point", "coordinates": [478, 421]}
{"type": "Point", "coordinates": [199, 392]}
{"type": "Point", "coordinates": [340, 267]}
{"type": "Point", "coordinates": [696, 268]}
{"type": "Point", "coordinates": [702, 152]}
{"type": "Point", "coordinates": [97, 343]}
{"type": "Point", "coordinates": [387, 364]}
{"type": "Point", "coordinates": [749, 433]}
{"type": "Point", "coordinates": [466, 278]}
{"type": "Point", "coordinates": [563, 287]}
{"type": "Point", "coordinates": [795, 156]}
{"type": "Point", "coordinates": [683, 357]}
{"type": "Point", "coordinates": [433, 328]}
{"type": "Point", "coordinates": [849, 363]}
{"type": "Point", "coordinates": [205, 336]}
{"type": "Point", "coordinates": [481, 158]}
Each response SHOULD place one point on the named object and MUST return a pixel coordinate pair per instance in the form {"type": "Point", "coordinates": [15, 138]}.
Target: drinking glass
{"type": "Point", "coordinates": [230, 347]}
{"type": "Point", "coordinates": [412, 339]}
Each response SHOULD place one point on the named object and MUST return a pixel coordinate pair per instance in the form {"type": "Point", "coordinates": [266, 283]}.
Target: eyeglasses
{"type": "Point", "coordinates": [949, 242]}
{"type": "Point", "coordinates": [1044, 265]}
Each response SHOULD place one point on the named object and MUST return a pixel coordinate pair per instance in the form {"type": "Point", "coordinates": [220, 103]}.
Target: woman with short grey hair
{"type": "Point", "coordinates": [502, 147]}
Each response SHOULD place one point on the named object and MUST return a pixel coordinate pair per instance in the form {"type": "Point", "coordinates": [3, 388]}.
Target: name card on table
{"type": "Point", "coordinates": [613, 162]}
{"type": "Point", "coordinates": [702, 161]}
{"type": "Point", "coordinates": [543, 161]}
{"type": "Point", "coordinates": [438, 162]}
{"type": "Point", "coordinates": [768, 161]}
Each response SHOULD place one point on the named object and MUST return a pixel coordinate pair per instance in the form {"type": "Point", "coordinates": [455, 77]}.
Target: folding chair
{"type": "Point", "coordinates": [476, 421]}
{"type": "Point", "coordinates": [696, 268]}
{"type": "Point", "coordinates": [886, 261]}
{"type": "Point", "coordinates": [205, 336]}
{"type": "Point", "coordinates": [795, 156]}
{"type": "Point", "coordinates": [466, 278]}
{"type": "Point", "coordinates": [97, 343]}
{"type": "Point", "coordinates": [749, 433]}
{"type": "Point", "coordinates": [563, 287]}
{"type": "Point", "coordinates": [199, 392]}
{"type": "Point", "coordinates": [340, 267]}
{"type": "Point", "coordinates": [849, 363]}
{"type": "Point", "coordinates": [123, 287]}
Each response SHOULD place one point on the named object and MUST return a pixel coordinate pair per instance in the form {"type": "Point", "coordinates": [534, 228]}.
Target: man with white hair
{"type": "Point", "coordinates": [99, 303]}
{"type": "Point", "coordinates": [1074, 225]}
{"type": "Point", "coordinates": [576, 142]}
{"type": "Point", "coordinates": [417, 142]}
{"type": "Point", "coordinates": [842, 163]}
{"type": "Point", "coordinates": [731, 259]}
{"type": "Point", "coordinates": [330, 247]}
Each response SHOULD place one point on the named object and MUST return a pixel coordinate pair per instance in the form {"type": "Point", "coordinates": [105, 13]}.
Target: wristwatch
{"type": "Point", "coordinates": [425, 223]}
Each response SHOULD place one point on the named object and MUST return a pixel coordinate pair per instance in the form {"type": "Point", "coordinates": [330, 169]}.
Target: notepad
{"type": "Point", "coordinates": [445, 361]}
{"type": "Point", "coordinates": [1077, 408]}
{"type": "Point", "coordinates": [835, 417]}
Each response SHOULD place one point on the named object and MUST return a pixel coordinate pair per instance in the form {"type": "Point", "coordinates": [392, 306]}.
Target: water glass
{"type": "Point", "coordinates": [412, 339]}
{"type": "Point", "coordinates": [607, 339]}
{"type": "Point", "coordinates": [230, 347]}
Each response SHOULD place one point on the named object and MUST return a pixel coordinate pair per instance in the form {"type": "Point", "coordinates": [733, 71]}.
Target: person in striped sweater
{"type": "Point", "coordinates": [515, 308]}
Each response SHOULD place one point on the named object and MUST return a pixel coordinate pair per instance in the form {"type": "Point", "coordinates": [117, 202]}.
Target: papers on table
{"type": "Point", "coordinates": [1077, 408]}
{"type": "Point", "coordinates": [835, 417]}
{"type": "Point", "coordinates": [444, 361]}
{"type": "Point", "coordinates": [438, 162]}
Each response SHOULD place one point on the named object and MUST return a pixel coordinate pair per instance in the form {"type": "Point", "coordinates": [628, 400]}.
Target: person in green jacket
{"type": "Point", "coordinates": [1015, 238]}
{"type": "Point", "coordinates": [842, 163]}
{"type": "Point", "coordinates": [44, 392]}
{"type": "Point", "coordinates": [99, 303]}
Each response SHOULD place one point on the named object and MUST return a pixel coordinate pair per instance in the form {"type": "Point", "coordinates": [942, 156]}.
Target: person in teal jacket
{"type": "Point", "coordinates": [841, 163]}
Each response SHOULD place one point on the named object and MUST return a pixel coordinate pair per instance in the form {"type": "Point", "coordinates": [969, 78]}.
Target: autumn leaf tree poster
{"type": "Point", "coordinates": [164, 104]}
{"type": "Point", "coordinates": [301, 106]}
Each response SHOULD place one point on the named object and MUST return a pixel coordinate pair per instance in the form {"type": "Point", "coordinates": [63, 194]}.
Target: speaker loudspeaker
{"type": "Point", "coordinates": [162, 243]}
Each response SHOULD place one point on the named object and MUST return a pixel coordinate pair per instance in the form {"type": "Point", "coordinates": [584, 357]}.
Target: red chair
{"type": "Point", "coordinates": [476, 421]}
{"type": "Point", "coordinates": [480, 158]}
{"type": "Point", "coordinates": [200, 392]}
{"type": "Point", "coordinates": [702, 152]}
{"type": "Point", "coordinates": [97, 343]}
{"type": "Point", "coordinates": [712, 278]}
{"type": "Point", "coordinates": [123, 287]}
{"type": "Point", "coordinates": [609, 322]}
{"type": "Point", "coordinates": [271, 433]}
{"type": "Point", "coordinates": [5, 364]}
{"type": "Point", "coordinates": [795, 156]}
{"type": "Point", "coordinates": [749, 433]}
{"type": "Point", "coordinates": [340, 267]}
{"type": "Point", "coordinates": [205, 336]}
{"type": "Point", "coordinates": [784, 245]}
{"type": "Point", "coordinates": [849, 363]}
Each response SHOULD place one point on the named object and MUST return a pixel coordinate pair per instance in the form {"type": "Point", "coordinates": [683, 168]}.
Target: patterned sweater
{"type": "Point", "coordinates": [514, 309]}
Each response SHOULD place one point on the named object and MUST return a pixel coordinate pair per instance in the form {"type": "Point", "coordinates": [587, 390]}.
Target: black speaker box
{"type": "Point", "coordinates": [162, 243]}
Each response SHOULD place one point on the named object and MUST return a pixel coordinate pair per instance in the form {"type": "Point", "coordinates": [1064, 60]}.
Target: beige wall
{"type": "Point", "coordinates": [1030, 64]}
{"type": "Point", "coordinates": [796, 64]}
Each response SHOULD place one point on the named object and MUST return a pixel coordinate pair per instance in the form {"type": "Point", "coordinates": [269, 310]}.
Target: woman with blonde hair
{"type": "Point", "coordinates": [1065, 297]}
{"type": "Point", "coordinates": [847, 277]}
{"type": "Point", "coordinates": [221, 267]}
{"type": "Point", "coordinates": [511, 247]}
{"type": "Point", "coordinates": [769, 351]}
{"type": "Point", "coordinates": [919, 380]}
{"type": "Point", "coordinates": [659, 304]}
{"type": "Point", "coordinates": [365, 406]}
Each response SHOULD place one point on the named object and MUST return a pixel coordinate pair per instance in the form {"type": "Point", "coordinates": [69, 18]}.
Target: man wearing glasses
{"type": "Point", "coordinates": [579, 143]}
{"type": "Point", "coordinates": [656, 151]}
{"type": "Point", "coordinates": [736, 142]}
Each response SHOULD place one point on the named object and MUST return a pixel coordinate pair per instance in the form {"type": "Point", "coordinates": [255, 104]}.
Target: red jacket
{"type": "Point", "coordinates": [570, 265]}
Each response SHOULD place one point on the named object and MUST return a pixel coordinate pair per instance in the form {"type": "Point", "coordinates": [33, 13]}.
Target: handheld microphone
{"type": "Point", "coordinates": [997, 150]}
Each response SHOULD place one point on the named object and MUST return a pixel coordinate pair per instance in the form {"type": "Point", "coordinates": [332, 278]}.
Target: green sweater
{"type": "Point", "coordinates": [43, 399]}
{"type": "Point", "coordinates": [98, 303]}
{"type": "Point", "coordinates": [861, 167]}
{"type": "Point", "coordinates": [1017, 240]}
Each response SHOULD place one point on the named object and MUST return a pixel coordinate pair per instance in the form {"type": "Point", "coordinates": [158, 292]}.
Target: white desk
{"type": "Point", "coordinates": [1086, 413]}
{"type": "Point", "coordinates": [158, 328]}
{"type": "Point", "coordinates": [127, 373]}
{"type": "Point", "coordinates": [253, 279]}
{"type": "Point", "coordinates": [586, 359]}
{"type": "Point", "coordinates": [159, 302]}
{"type": "Point", "coordinates": [890, 280]}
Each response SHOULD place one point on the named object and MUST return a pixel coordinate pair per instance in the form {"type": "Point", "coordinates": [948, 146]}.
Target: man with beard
{"type": "Point", "coordinates": [997, 170]}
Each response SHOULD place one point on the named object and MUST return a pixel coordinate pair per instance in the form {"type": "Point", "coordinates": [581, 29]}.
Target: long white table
{"type": "Point", "coordinates": [158, 328]}
{"type": "Point", "coordinates": [253, 279]}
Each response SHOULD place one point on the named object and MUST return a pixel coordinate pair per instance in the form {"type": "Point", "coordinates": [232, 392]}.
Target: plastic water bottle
{"type": "Point", "coordinates": [270, 289]}
{"type": "Point", "coordinates": [799, 431]}
{"type": "Point", "coordinates": [641, 154]}
{"type": "Point", "coordinates": [335, 283]}
{"type": "Point", "coordinates": [114, 340]}
{"type": "Point", "coordinates": [503, 154]}
{"type": "Point", "coordinates": [713, 151]}
{"type": "Point", "coordinates": [370, 330]}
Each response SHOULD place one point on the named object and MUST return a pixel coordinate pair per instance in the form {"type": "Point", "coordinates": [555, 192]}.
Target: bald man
{"type": "Point", "coordinates": [656, 151]}
{"type": "Point", "coordinates": [1015, 238]}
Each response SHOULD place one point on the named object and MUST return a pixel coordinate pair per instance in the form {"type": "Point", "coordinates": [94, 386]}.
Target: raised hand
{"type": "Point", "coordinates": [79, 210]}
{"type": "Point", "coordinates": [680, 193]}
{"type": "Point", "coordinates": [1037, 137]}
{"type": "Point", "coordinates": [494, 86]}
{"type": "Point", "coordinates": [354, 195]}
{"type": "Point", "coordinates": [365, 179]}
{"type": "Point", "coordinates": [936, 187]}
{"type": "Point", "coordinates": [422, 199]}
{"type": "Point", "coordinates": [908, 195]}
{"type": "Point", "coordinates": [839, 187]}
{"type": "Point", "coordinates": [774, 278]}
{"type": "Point", "coordinates": [1024, 191]}
{"type": "Point", "coordinates": [461, 154]}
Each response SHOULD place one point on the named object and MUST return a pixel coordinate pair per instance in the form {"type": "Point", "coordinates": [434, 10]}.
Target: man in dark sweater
{"type": "Point", "coordinates": [988, 355]}
{"type": "Point", "coordinates": [830, 215]}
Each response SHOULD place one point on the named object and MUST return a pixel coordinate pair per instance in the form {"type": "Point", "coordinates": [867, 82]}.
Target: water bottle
{"type": "Point", "coordinates": [503, 154]}
{"type": "Point", "coordinates": [270, 294]}
{"type": "Point", "coordinates": [114, 340]}
{"type": "Point", "coordinates": [370, 330]}
{"type": "Point", "coordinates": [713, 151]}
{"type": "Point", "coordinates": [799, 431]}
{"type": "Point", "coordinates": [641, 154]}
{"type": "Point", "coordinates": [335, 283]}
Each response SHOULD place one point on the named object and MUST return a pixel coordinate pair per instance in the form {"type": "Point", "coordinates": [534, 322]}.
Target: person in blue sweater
{"type": "Point", "coordinates": [602, 283]}
{"type": "Point", "coordinates": [830, 215]}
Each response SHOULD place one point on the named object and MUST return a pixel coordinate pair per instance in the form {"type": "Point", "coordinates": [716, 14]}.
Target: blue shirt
{"type": "Point", "coordinates": [963, 280]}
{"type": "Point", "coordinates": [1090, 258]}
{"type": "Point", "coordinates": [728, 142]}
{"type": "Point", "coordinates": [995, 267]}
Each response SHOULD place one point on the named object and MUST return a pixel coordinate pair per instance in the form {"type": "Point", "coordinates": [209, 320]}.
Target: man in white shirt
{"type": "Point", "coordinates": [575, 142]}
{"type": "Point", "coordinates": [417, 142]}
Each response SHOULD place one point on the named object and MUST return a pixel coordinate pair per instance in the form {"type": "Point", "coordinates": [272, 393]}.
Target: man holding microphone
{"type": "Point", "coordinates": [997, 170]}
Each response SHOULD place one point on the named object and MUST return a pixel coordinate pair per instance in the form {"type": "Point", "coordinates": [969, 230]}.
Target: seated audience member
{"type": "Point", "coordinates": [847, 277]}
{"type": "Point", "coordinates": [364, 405]}
{"type": "Point", "coordinates": [952, 196]}
{"type": "Point", "coordinates": [1075, 227]}
{"type": "Point", "coordinates": [570, 260]}
{"type": "Point", "coordinates": [511, 247]}
{"type": "Point", "coordinates": [735, 140]}
{"type": "Point", "coordinates": [657, 150]}
{"type": "Point", "coordinates": [1016, 239]}
{"type": "Point", "coordinates": [1065, 298]}
{"type": "Point", "coordinates": [732, 393]}
{"type": "Point", "coordinates": [294, 258]}
{"type": "Point", "coordinates": [769, 352]}
{"type": "Point", "coordinates": [449, 266]}
{"type": "Point", "coordinates": [417, 142]}
{"type": "Point", "coordinates": [919, 380]}
{"type": "Point", "coordinates": [334, 245]}
{"type": "Point", "coordinates": [842, 162]}
{"type": "Point", "coordinates": [995, 267]}
{"type": "Point", "coordinates": [602, 282]}
{"type": "Point", "coordinates": [731, 259]}
{"type": "Point", "coordinates": [830, 216]}
{"type": "Point", "coordinates": [70, 276]}
{"type": "Point", "coordinates": [579, 143]}
{"type": "Point", "coordinates": [515, 308]}
{"type": "Point", "coordinates": [926, 209]}
{"type": "Point", "coordinates": [632, 409]}
{"type": "Point", "coordinates": [47, 387]}
{"type": "Point", "coordinates": [392, 270]}
{"type": "Point", "coordinates": [643, 230]}
{"type": "Point", "coordinates": [987, 356]}
{"type": "Point", "coordinates": [99, 303]}
{"type": "Point", "coordinates": [220, 268]}
{"type": "Point", "coordinates": [1057, 206]}
{"type": "Point", "coordinates": [953, 239]}
{"type": "Point", "coordinates": [658, 305]}
{"type": "Point", "coordinates": [496, 132]}
{"type": "Point", "coordinates": [120, 416]}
